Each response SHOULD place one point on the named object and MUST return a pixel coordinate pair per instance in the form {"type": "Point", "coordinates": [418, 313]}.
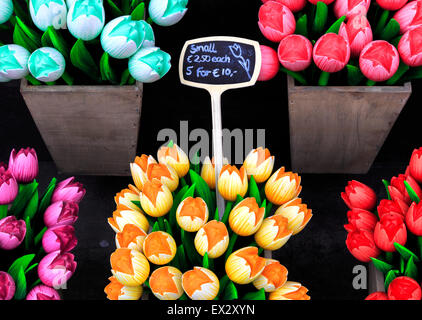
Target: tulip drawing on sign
{"type": "Point", "coordinates": [236, 51]}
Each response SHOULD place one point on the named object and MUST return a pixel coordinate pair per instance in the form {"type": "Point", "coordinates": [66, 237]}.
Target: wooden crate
{"type": "Point", "coordinates": [89, 130]}
{"type": "Point", "coordinates": [341, 129]}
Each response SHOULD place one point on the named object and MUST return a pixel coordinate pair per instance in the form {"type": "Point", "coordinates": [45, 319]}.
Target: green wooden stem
{"type": "Point", "coordinates": [3, 211]}
{"type": "Point", "coordinates": [323, 78]}
{"type": "Point", "coordinates": [232, 242]}
{"type": "Point", "coordinates": [389, 257]}
{"type": "Point", "coordinates": [268, 209]}
{"type": "Point", "coordinates": [67, 78]}
{"type": "Point", "coordinates": [420, 246]}
{"type": "Point", "coordinates": [381, 22]}
{"type": "Point", "coordinates": [161, 223]}
{"type": "Point", "coordinates": [370, 83]}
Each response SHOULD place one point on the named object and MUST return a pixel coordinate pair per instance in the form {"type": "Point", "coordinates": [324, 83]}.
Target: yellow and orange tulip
{"type": "Point", "coordinates": [176, 158]}
{"type": "Point", "coordinates": [159, 247]}
{"type": "Point", "coordinates": [130, 267]}
{"type": "Point", "coordinates": [166, 283]}
{"type": "Point", "coordinates": [125, 197]}
{"type": "Point", "coordinates": [164, 173]}
{"type": "Point", "coordinates": [117, 291]}
{"type": "Point", "coordinates": [212, 238]}
{"type": "Point", "coordinates": [259, 163]}
{"type": "Point", "coordinates": [208, 171]}
{"type": "Point", "coordinates": [232, 182]}
{"type": "Point", "coordinates": [244, 265]}
{"type": "Point", "coordinates": [274, 233]}
{"type": "Point", "coordinates": [122, 217]}
{"type": "Point", "coordinates": [246, 217]}
{"type": "Point", "coordinates": [192, 214]}
{"type": "Point", "coordinates": [131, 237]}
{"type": "Point", "coordinates": [273, 277]}
{"type": "Point", "coordinates": [282, 187]}
{"type": "Point", "coordinates": [200, 284]}
{"type": "Point", "coordinates": [297, 213]}
{"type": "Point", "coordinates": [290, 291]}
{"type": "Point", "coordinates": [156, 198]}
{"type": "Point", "coordinates": [139, 170]}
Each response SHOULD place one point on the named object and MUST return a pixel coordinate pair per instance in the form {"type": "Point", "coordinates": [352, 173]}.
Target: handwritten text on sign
{"type": "Point", "coordinates": [219, 62]}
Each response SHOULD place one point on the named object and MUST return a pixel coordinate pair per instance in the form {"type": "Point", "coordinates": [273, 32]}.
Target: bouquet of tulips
{"type": "Point", "coordinates": [171, 241]}
{"type": "Point", "coordinates": [392, 236]}
{"type": "Point", "coordinates": [36, 233]}
{"type": "Point", "coordinates": [359, 43]}
{"type": "Point", "coordinates": [85, 41]}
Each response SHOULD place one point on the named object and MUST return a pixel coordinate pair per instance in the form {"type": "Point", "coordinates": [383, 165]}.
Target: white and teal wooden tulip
{"type": "Point", "coordinates": [46, 64]}
{"type": "Point", "coordinates": [6, 10]}
{"type": "Point", "coordinates": [85, 19]}
{"type": "Point", "coordinates": [122, 37]}
{"type": "Point", "coordinates": [167, 12]}
{"type": "Point", "coordinates": [13, 62]}
{"type": "Point", "coordinates": [3, 79]}
{"type": "Point", "coordinates": [45, 13]}
{"type": "Point", "coordinates": [70, 3]}
{"type": "Point", "coordinates": [149, 64]}
{"type": "Point", "coordinates": [149, 40]}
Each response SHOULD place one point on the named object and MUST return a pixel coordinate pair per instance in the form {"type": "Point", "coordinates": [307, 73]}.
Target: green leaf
{"type": "Point", "coordinates": [31, 268]}
{"type": "Point", "coordinates": [256, 295]}
{"type": "Point", "coordinates": [20, 38]}
{"type": "Point", "coordinates": [82, 59]}
{"type": "Point", "coordinates": [167, 227]}
{"type": "Point", "coordinates": [254, 191]}
{"type": "Point", "coordinates": [184, 297]}
{"type": "Point", "coordinates": [107, 73]}
{"type": "Point", "coordinates": [229, 206]}
{"type": "Point", "coordinates": [176, 201]}
{"type": "Point", "coordinates": [30, 33]}
{"type": "Point", "coordinates": [23, 14]}
{"type": "Point", "coordinates": [239, 199]}
{"type": "Point", "coordinates": [24, 196]}
{"type": "Point", "coordinates": [3, 211]}
{"type": "Point", "coordinates": [182, 257]}
{"type": "Point", "coordinates": [230, 292]}
{"type": "Point", "coordinates": [391, 30]}
{"type": "Point", "coordinates": [386, 185]}
{"type": "Point", "coordinates": [189, 193]}
{"type": "Point", "coordinates": [46, 198]}
{"type": "Point", "coordinates": [382, 266]}
{"type": "Point", "coordinates": [354, 75]}
{"type": "Point", "coordinates": [20, 263]}
{"type": "Point", "coordinates": [39, 236]}
{"type": "Point", "coordinates": [381, 22]}
{"type": "Point", "coordinates": [411, 270]}
{"type": "Point", "coordinates": [156, 227]}
{"type": "Point", "coordinates": [335, 27]}
{"type": "Point", "coordinates": [202, 190]}
{"type": "Point", "coordinates": [125, 77]}
{"type": "Point", "coordinates": [396, 40]}
{"type": "Point", "coordinates": [58, 41]}
{"type": "Point", "coordinates": [29, 236]}
{"type": "Point", "coordinates": [205, 261]}
{"type": "Point", "coordinates": [232, 242]}
{"type": "Point", "coordinates": [268, 207]}
{"type": "Point", "coordinates": [190, 249]}
{"type": "Point", "coordinates": [32, 80]}
{"type": "Point", "coordinates": [115, 11]}
{"type": "Point", "coordinates": [20, 282]}
{"type": "Point", "coordinates": [139, 12]}
{"type": "Point", "coordinates": [298, 76]}
{"type": "Point", "coordinates": [412, 194]}
{"type": "Point", "coordinates": [216, 215]}
{"type": "Point", "coordinates": [223, 283]}
{"type": "Point", "coordinates": [391, 275]}
{"type": "Point", "coordinates": [320, 17]}
{"type": "Point", "coordinates": [302, 26]}
{"type": "Point", "coordinates": [405, 253]}
{"type": "Point", "coordinates": [32, 207]}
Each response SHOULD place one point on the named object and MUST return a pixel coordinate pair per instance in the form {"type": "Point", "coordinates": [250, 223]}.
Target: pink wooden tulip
{"type": "Point", "coordinates": [68, 190]}
{"type": "Point", "coordinates": [7, 286]}
{"type": "Point", "coordinates": [59, 238]}
{"type": "Point", "coordinates": [391, 5]}
{"type": "Point", "coordinates": [295, 52]}
{"type": "Point", "coordinates": [331, 52]}
{"type": "Point", "coordinates": [276, 21]}
{"type": "Point", "coordinates": [379, 60]}
{"type": "Point", "coordinates": [325, 1]}
{"type": "Point", "coordinates": [8, 187]}
{"type": "Point", "coordinates": [350, 8]}
{"type": "Point", "coordinates": [24, 165]}
{"type": "Point", "coordinates": [42, 292]}
{"type": "Point", "coordinates": [270, 64]}
{"type": "Point", "coordinates": [56, 268]}
{"type": "Point", "coordinates": [410, 47]}
{"type": "Point", "coordinates": [293, 5]}
{"type": "Point", "coordinates": [61, 213]}
{"type": "Point", "coordinates": [12, 232]}
{"type": "Point", "coordinates": [357, 31]}
{"type": "Point", "coordinates": [410, 16]}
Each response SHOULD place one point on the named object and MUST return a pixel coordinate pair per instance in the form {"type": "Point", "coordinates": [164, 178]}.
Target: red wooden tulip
{"type": "Point", "coordinates": [398, 190]}
{"type": "Point", "coordinates": [404, 288]}
{"type": "Point", "coordinates": [360, 196]}
{"type": "Point", "coordinates": [276, 21]}
{"type": "Point", "coordinates": [325, 1]}
{"type": "Point", "coordinates": [392, 206]}
{"type": "Point", "coordinates": [295, 52]}
{"type": "Point", "coordinates": [415, 165]}
{"type": "Point", "coordinates": [270, 64]}
{"type": "Point", "coordinates": [390, 229]}
{"type": "Point", "coordinates": [362, 246]}
{"type": "Point", "coordinates": [379, 60]}
{"type": "Point", "coordinates": [357, 32]}
{"type": "Point", "coordinates": [361, 220]}
{"type": "Point", "coordinates": [410, 16]}
{"type": "Point", "coordinates": [351, 8]}
{"type": "Point", "coordinates": [331, 52]}
{"type": "Point", "coordinates": [379, 295]}
{"type": "Point", "coordinates": [414, 219]}
{"type": "Point", "coordinates": [391, 5]}
{"type": "Point", "coordinates": [410, 47]}
{"type": "Point", "coordinates": [293, 5]}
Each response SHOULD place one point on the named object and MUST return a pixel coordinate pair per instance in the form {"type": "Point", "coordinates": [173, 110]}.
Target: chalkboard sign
{"type": "Point", "coordinates": [225, 62]}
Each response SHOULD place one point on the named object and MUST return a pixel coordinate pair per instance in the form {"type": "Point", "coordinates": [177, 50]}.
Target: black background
{"type": "Point", "coordinates": [317, 257]}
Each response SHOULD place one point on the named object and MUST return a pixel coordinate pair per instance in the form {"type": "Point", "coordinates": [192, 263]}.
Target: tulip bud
{"type": "Point", "coordinates": [274, 233]}
{"type": "Point", "coordinates": [276, 21]}
{"type": "Point", "coordinates": [290, 291]}
{"type": "Point", "coordinates": [295, 52]}
{"type": "Point", "coordinates": [156, 199]}
{"type": "Point", "coordinates": [48, 13]}
{"type": "Point", "coordinates": [149, 64]}
{"type": "Point", "coordinates": [192, 214]}
{"type": "Point", "coordinates": [357, 32]}
{"type": "Point", "coordinates": [46, 64]}
{"type": "Point", "coordinates": [259, 163]}
{"type": "Point", "coordinates": [379, 295]}
{"type": "Point", "coordinates": [360, 196]}
{"type": "Point", "coordinates": [131, 237]}
{"type": "Point", "coordinates": [213, 239]}
{"type": "Point", "coordinates": [361, 220]}
{"type": "Point", "coordinates": [56, 268]}
{"type": "Point", "coordinates": [126, 197]}
{"type": "Point", "coordinates": [174, 157]}
{"type": "Point", "coordinates": [139, 170]}
{"type": "Point", "coordinates": [167, 12]}
{"type": "Point", "coordinates": [149, 40]}
{"type": "Point", "coordinates": [208, 171]}
{"type": "Point", "coordinates": [398, 190]}
{"type": "Point", "coordinates": [282, 187]}
{"type": "Point", "coordinates": [351, 8]}
{"type": "Point", "coordinates": [163, 173]}
{"type": "Point", "coordinates": [159, 247]}
{"type": "Point", "coordinates": [122, 217]}
{"type": "Point", "coordinates": [379, 60]}
{"type": "Point", "coordinates": [122, 37]}
{"type": "Point", "coordinates": [42, 292]}
{"type": "Point", "coordinates": [391, 5]}
{"type": "Point", "coordinates": [232, 182]}
{"type": "Point", "coordinates": [297, 214]}
{"type": "Point", "coordinates": [200, 284]}
{"type": "Point", "coordinates": [166, 283]}
{"type": "Point", "coordinates": [410, 49]}
{"type": "Point", "coordinates": [85, 19]}
{"type": "Point", "coordinates": [6, 10]}
{"type": "Point", "coordinates": [361, 245]}
{"type": "Point", "coordinates": [12, 232]}
{"type": "Point", "coordinates": [273, 277]}
{"type": "Point", "coordinates": [7, 286]}
{"type": "Point", "coordinates": [414, 219]}
{"type": "Point", "coordinates": [269, 64]}
{"type": "Point", "coordinates": [68, 190]}
{"type": "Point", "coordinates": [415, 164]}
{"type": "Point", "coordinates": [409, 17]}
{"type": "Point", "coordinates": [24, 165]}
{"type": "Point", "coordinates": [117, 291]}
{"type": "Point", "coordinates": [244, 265]}
{"type": "Point", "coordinates": [13, 61]}
{"type": "Point", "coordinates": [130, 267]}
{"type": "Point", "coordinates": [404, 288]}
{"type": "Point", "coordinates": [293, 5]}
{"type": "Point", "coordinates": [392, 206]}
{"type": "Point", "coordinates": [246, 217]}
{"type": "Point", "coordinates": [8, 187]}
{"type": "Point", "coordinates": [331, 52]}
{"type": "Point", "coordinates": [59, 238]}
{"type": "Point", "coordinates": [390, 229]}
